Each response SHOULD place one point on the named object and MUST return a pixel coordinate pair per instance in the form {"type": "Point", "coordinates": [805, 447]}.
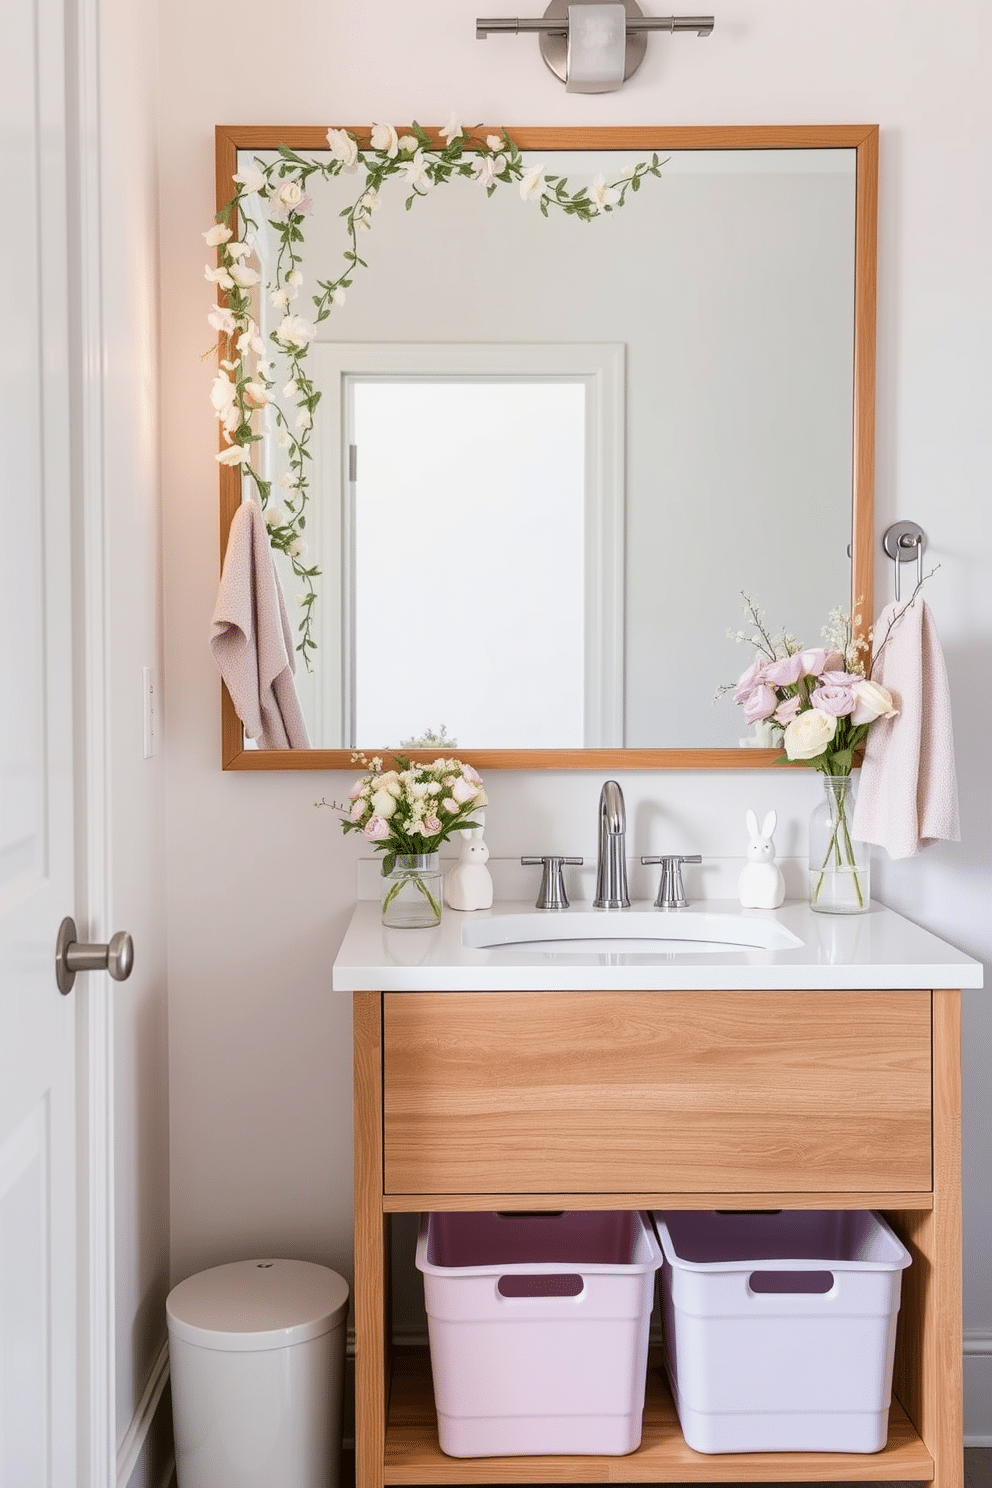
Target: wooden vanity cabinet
{"type": "Point", "coordinates": [653, 1100]}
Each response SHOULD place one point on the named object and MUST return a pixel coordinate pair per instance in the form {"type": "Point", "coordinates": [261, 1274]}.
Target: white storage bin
{"type": "Point", "coordinates": [538, 1329]}
{"type": "Point", "coordinates": [780, 1328]}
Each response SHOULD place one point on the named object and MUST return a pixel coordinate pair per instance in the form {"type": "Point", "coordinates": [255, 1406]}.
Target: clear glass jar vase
{"type": "Point", "coordinates": [411, 892]}
{"type": "Point", "coordinates": [839, 865]}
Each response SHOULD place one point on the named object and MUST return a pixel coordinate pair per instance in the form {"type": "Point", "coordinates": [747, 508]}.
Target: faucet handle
{"type": "Point", "coordinates": [671, 893]}
{"type": "Point", "coordinates": [552, 892]}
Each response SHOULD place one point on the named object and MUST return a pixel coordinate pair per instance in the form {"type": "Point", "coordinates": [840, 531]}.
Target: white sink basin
{"type": "Point", "coordinates": [632, 932]}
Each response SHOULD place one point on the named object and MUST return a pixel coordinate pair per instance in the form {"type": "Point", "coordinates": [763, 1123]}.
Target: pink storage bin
{"type": "Point", "coordinates": [538, 1330]}
{"type": "Point", "coordinates": [780, 1328]}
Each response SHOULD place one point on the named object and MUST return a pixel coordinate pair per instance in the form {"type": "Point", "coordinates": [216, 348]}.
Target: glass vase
{"type": "Point", "coordinates": [411, 893]}
{"type": "Point", "coordinates": [839, 865]}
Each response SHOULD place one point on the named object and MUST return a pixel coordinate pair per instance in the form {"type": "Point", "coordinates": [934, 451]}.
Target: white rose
{"type": "Point", "coordinates": [871, 701]}
{"type": "Point", "coordinates": [238, 250]}
{"type": "Point", "coordinates": [289, 194]}
{"type": "Point", "coordinates": [214, 236]}
{"type": "Point", "coordinates": [385, 138]}
{"type": "Point", "coordinates": [383, 803]}
{"type": "Point", "coordinates": [808, 734]}
{"type": "Point", "coordinates": [255, 395]}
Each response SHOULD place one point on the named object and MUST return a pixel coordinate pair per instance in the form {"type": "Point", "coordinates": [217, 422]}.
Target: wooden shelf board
{"type": "Point", "coordinates": [428, 1202]}
{"type": "Point", "coordinates": [412, 1454]}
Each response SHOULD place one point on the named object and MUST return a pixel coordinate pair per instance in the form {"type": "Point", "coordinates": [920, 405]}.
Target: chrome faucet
{"type": "Point", "coordinates": [611, 871]}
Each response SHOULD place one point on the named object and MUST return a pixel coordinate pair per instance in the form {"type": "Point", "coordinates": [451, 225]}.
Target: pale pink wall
{"type": "Point", "coordinates": [261, 884]}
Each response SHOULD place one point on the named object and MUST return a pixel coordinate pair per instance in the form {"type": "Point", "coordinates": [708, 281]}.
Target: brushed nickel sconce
{"type": "Point", "coordinates": [593, 47]}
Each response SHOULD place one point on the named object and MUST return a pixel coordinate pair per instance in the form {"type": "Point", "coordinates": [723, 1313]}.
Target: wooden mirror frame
{"type": "Point", "coordinates": [863, 138]}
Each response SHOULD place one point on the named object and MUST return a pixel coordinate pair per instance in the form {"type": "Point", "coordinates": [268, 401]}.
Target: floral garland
{"type": "Point", "coordinates": [278, 188]}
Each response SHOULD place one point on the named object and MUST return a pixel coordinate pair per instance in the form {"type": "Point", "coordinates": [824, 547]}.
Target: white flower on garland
{"type": "Point", "coordinates": [235, 454]}
{"type": "Point", "coordinates": [417, 174]}
{"type": "Point", "coordinates": [295, 331]}
{"type": "Point", "coordinates": [251, 179]}
{"type": "Point", "coordinates": [532, 183]}
{"type": "Point", "coordinates": [343, 148]}
{"type": "Point", "coordinates": [385, 139]}
{"type": "Point", "coordinates": [604, 198]}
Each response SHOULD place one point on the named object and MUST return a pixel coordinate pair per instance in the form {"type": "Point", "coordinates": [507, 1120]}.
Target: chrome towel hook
{"type": "Point", "coordinates": [904, 541]}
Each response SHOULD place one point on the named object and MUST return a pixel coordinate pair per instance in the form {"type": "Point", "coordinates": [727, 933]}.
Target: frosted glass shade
{"type": "Point", "coordinates": [597, 46]}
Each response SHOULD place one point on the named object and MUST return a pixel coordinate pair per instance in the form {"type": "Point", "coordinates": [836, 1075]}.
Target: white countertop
{"type": "Point", "coordinates": [879, 949]}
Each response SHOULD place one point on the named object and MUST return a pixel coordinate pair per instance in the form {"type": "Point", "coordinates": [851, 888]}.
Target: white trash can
{"type": "Point", "coordinates": [257, 1361]}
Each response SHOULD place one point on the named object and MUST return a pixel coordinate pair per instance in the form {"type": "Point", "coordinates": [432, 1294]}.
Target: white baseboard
{"type": "Point", "coordinates": [136, 1435]}
{"type": "Point", "coordinates": [977, 1392]}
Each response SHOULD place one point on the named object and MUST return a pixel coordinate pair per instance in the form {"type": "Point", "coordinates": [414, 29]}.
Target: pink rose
{"type": "Point", "coordinates": [817, 661]}
{"type": "Point", "coordinates": [786, 712]}
{"type": "Point", "coordinates": [785, 672]}
{"type": "Point", "coordinates": [431, 824]}
{"type": "Point", "coordinates": [463, 791]}
{"type": "Point", "coordinates": [748, 681]}
{"type": "Point", "coordinates": [359, 785]}
{"type": "Point", "coordinates": [376, 829]}
{"type": "Point", "coordinates": [761, 703]}
{"type": "Point", "coordinates": [834, 695]}
{"type": "Point", "coordinates": [357, 811]}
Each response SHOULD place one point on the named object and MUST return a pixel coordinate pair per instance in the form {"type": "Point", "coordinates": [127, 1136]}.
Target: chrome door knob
{"type": "Point", "coordinates": [116, 957]}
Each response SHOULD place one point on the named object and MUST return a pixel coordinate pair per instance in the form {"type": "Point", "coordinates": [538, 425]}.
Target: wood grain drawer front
{"type": "Point", "coordinates": [668, 1092]}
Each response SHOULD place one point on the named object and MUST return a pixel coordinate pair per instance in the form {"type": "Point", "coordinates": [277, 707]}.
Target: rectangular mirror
{"type": "Point", "coordinates": [605, 429]}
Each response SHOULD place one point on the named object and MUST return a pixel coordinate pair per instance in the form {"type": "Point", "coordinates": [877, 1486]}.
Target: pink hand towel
{"type": "Point", "coordinates": [908, 796]}
{"type": "Point", "coordinates": [251, 640]}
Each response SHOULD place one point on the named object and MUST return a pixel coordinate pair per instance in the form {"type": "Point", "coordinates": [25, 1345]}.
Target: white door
{"type": "Point", "coordinates": [38, 1288]}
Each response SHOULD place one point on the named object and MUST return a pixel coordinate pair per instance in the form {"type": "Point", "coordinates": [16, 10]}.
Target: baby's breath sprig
{"type": "Point", "coordinates": [280, 190]}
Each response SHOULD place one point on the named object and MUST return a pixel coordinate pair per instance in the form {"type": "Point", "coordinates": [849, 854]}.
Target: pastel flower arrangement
{"type": "Point", "coordinates": [821, 700]}
{"type": "Point", "coordinates": [411, 809]}
{"type": "Point", "coordinates": [270, 377]}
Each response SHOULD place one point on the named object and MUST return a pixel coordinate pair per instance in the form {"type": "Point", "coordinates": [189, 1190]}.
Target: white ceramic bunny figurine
{"type": "Point", "coordinates": [761, 883]}
{"type": "Point", "coordinates": [469, 884]}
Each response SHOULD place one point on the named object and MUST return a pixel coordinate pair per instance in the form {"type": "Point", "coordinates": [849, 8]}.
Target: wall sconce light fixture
{"type": "Point", "coordinates": [593, 47]}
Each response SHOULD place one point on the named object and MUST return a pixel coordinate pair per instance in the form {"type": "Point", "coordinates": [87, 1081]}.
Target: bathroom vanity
{"type": "Point", "coordinates": [824, 1074]}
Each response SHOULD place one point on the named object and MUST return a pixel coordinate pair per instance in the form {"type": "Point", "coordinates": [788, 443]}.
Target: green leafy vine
{"type": "Point", "coordinates": [278, 189]}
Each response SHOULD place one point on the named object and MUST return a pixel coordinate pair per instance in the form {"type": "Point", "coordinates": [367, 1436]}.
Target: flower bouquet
{"type": "Point", "coordinates": [821, 703]}
{"type": "Point", "coordinates": [406, 813]}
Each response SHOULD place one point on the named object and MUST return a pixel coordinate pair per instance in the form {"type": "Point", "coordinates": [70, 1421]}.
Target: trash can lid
{"type": "Point", "coordinates": [257, 1305]}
